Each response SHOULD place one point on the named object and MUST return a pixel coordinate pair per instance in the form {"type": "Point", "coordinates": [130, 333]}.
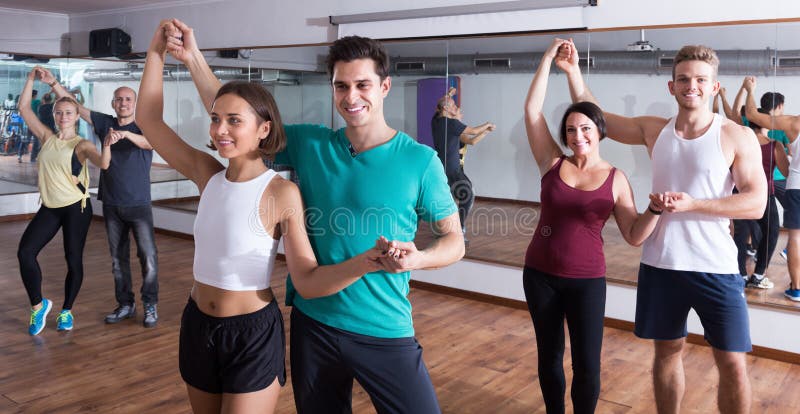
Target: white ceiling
{"type": "Point", "coordinates": [78, 6]}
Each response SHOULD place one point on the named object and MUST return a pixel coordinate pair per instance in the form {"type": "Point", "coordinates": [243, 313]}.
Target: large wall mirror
{"type": "Point", "coordinates": [488, 79]}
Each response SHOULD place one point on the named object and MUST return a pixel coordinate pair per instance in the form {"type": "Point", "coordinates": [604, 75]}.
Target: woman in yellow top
{"type": "Point", "coordinates": [64, 188]}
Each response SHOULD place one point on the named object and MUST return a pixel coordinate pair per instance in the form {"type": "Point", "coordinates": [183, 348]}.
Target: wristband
{"type": "Point", "coordinates": [655, 212]}
{"type": "Point", "coordinates": [52, 83]}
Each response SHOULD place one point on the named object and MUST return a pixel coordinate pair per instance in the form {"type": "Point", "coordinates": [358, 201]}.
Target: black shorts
{"type": "Point", "coordinates": [237, 354]}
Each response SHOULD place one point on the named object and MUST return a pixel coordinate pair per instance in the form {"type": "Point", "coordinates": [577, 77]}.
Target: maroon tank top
{"type": "Point", "coordinates": [568, 241]}
{"type": "Point", "coordinates": [768, 162]}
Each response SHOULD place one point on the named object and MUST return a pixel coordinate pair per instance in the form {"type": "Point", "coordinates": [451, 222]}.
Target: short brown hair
{"type": "Point", "coordinates": [266, 109]}
{"type": "Point", "coordinates": [696, 52]}
{"type": "Point", "coordinates": [350, 48]}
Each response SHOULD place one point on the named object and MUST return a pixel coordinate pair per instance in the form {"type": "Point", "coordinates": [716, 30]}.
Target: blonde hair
{"type": "Point", "coordinates": [696, 52]}
{"type": "Point", "coordinates": [70, 100]}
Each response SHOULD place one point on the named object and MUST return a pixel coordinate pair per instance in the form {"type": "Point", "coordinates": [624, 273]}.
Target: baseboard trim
{"type": "Point", "coordinates": [16, 217]}
{"type": "Point", "coordinates": [173, 233]}
{"type": "Point", "coordinates": [508, 200]}
{"type": "Point", "coordinates": [759, 351]}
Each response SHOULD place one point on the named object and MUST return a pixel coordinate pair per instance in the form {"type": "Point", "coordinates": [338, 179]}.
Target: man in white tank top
{"type": "Point", "coordinates": [689, 262]}
{"type": "Point", "coordinates": [790, 124]}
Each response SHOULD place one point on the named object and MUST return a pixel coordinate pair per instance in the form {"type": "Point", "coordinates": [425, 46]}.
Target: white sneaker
{"type": "Point", "coordinates": [764, 283]}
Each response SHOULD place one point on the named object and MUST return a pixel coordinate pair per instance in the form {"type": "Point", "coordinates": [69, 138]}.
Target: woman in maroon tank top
{"type": "Point", "coordinates": [564, 274]}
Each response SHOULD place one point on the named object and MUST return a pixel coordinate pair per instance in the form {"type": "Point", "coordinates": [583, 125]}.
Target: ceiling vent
{"type": "Point", "coordinates": [666, 61]}
{"type": "Point", "coordinates": [786, 62]}
{"type": "Point", "coordinates": [493, 63]}
{"type": "Point", "coordinates": [411, 66]}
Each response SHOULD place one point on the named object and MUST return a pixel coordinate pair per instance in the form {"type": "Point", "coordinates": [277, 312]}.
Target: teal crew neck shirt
{"type": "Point", "coordinates": [353, 199]}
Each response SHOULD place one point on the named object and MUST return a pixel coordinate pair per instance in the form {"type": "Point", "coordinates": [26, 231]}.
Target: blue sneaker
{"type": "Point", "coordinates": [792, 294]}
{"type": "Point", "coordinates": [784, 254]}
{"type": "Point", "coordinates": [39, 317]}
{"type": "Point", "coordinates": [65, 320]}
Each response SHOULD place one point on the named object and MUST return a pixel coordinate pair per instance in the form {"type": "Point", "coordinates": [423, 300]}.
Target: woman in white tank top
{"type": "Point", "coordinates": [230, 259]}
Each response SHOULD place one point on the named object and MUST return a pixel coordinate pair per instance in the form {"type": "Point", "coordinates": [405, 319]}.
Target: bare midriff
{"type": "Point", "coordinates": [222, 303]}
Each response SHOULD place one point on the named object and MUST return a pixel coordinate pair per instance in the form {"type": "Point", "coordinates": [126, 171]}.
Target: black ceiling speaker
{"type": "Point", "coordinates": [109, 42]}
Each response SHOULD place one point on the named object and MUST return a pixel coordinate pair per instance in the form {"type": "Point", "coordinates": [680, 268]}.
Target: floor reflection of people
{"type": "Point", "coordinates": [765, 239]}
{"type": "Point", "coordinates": [791, 213]}
{"type": "Point", "coordinates": [451, 138]}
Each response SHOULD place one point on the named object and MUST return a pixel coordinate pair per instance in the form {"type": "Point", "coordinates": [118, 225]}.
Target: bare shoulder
{"type": "Point", "coordinates": [737, 134]}
{"type": "Point", "coordinates": [653, 124]}
{"type": "Point", "coordinates": [283, 193]}
{"type": "Point", "coordinates": [84, 144]}
{"type": "Point", "coordinates": [621, 185]}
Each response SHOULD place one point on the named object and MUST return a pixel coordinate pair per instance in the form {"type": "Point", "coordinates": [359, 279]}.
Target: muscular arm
{"type": "Point", "coordinates": [641, 130]}
{"type": "Point", "coordinates": [748, 175]}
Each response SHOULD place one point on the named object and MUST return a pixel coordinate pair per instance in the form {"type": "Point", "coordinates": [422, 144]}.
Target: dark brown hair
{"type": "Point", "coordinates": [265, 108]}
{"type": "Point", "coordinates": [591, 111]}
{"type": "Point", "coordinates": [350, 48]}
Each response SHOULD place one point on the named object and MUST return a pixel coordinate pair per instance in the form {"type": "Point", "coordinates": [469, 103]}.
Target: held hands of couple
{"type": "Point", "coordinates": [397, 256]}
{"type": "Point", "coordinates": [112, 137]}
{"type": "Point", "coordinates": [671, 202]}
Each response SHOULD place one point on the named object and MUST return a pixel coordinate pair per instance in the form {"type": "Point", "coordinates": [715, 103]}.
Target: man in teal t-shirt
{"type": "Point", "coordinates": [359, 183]}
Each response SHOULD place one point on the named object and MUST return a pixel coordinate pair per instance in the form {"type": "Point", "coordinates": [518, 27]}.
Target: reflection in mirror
{"type": "Point", "coordinates": [419, 104]}
{"type": "Point", "coordinates": [783, 104]}
{"type": "Point", "coordinates": [92, 82]}
{"type": "Point", "coordinates": [493, 77]}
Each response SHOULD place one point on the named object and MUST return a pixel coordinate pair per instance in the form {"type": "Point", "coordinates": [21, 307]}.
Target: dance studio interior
{"type": "Point", "coordinates": [471, 316]}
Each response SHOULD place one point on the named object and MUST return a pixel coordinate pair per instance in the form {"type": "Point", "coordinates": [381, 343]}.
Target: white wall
{"type": "Point", "coordinates": [32, 32]}
{"type": "Point", "coordinates": [238, 23]}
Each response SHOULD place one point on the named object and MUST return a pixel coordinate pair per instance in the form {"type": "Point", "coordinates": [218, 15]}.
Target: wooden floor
{"type": "Point", "coordinates": [499, 232]}
{"type": "Point", "coordinates": [481, 357]}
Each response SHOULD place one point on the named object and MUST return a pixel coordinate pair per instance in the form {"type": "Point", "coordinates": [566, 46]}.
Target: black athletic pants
{"type": "Point", "coordinates": [582, 302]}
{"type": "Point", "coordinates": [765, 244]}
{"type": "Point", "coordinates": [74, 225]}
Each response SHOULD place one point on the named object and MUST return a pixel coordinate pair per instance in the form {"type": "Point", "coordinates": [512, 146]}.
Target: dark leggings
{"type": "Point", "coordinates": [44, 226]}
{"type": "Point", "coordinates": [461, 188]}
{"type": "Point", "coordinates": [769, 229]}
{"type": "Point", "coordinates": [582, 301]}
